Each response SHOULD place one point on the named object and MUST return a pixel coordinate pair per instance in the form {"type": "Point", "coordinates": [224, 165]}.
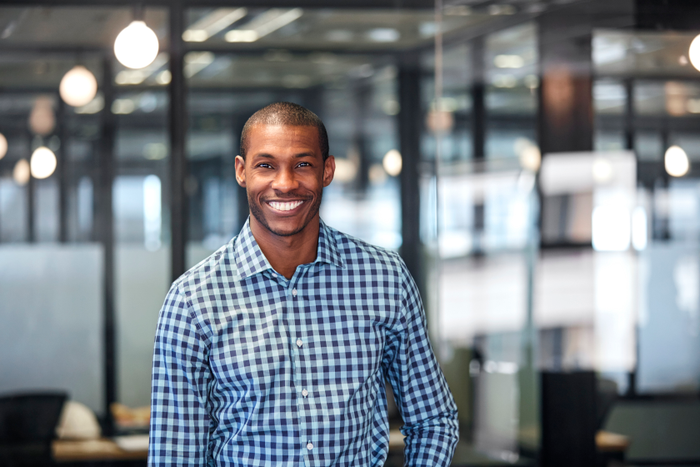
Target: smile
{"type": "Point", "coordinates": [284, 205]}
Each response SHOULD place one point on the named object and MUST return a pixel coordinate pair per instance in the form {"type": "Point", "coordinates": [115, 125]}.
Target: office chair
{"type": "Point", "coordinates": [28, 426]}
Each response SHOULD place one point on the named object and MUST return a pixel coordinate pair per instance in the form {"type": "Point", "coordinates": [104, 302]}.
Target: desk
{"type": "Point", "coordinates": [606, 441]}
{"type": "Point", "coordinates": [107, 450]}
{"type": "Point", "coordinates": [93, 450]}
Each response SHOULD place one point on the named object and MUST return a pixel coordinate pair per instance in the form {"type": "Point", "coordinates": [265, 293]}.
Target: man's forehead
{"type": "Point", "coordinates": [262, 134]}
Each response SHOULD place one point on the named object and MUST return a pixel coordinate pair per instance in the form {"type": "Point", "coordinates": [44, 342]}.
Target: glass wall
{"type": "Point", "coordinates": [639, 108]}
{"type": "Point", "coordinates": [52, 265]}
{"type": "Point", "coordinates": [479, 224]}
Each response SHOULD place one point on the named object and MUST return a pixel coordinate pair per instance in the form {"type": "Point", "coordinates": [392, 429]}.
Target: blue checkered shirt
{"type": "Point", "coordinates": [252, 369]}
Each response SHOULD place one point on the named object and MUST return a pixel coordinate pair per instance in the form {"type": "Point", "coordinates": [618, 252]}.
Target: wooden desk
{"type": "Point", "coordinates": [93, 450]}
{"type": "Point", "coordinates": [606, 441]}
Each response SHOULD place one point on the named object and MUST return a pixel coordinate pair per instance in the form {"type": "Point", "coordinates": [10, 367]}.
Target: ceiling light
{"type": "Point", "coordinates": [392, 162]}
{"type": "Point", "coordinates": [508, 61]}
{"type": "Point", "coordinates": [530, 158]}
{"type": "Point", "coordinates": [41, 119]}
{"type": "Point", "coordinates": [676, 161]}
{"type": "Point", "coordinates": [43, 162]}
{"type": "Point", "coordinates": [21, 172]}
{"type": "Point", "coordinates": [3, 145]}
{"type": "Point", "coordinates": [384, 35]}
{"type": "Point", "coordinates": [78, 86]}
{"type": "Point", "coordinates": [123, 106]}
{"type": "Point", "coordinates": [213, 23]}
{"type": "Point", "coordinates": [130, 77]}
{"type": "Point", "coordinates": [694, 52]}
{"type": "Point", "coordinates": [266, 23]}
{"type": "Point", "coordinates": [136, 46]}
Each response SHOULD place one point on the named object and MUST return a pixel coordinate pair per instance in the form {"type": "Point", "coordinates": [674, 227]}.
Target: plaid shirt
{"type": "Point", "coordinates": [252, 369]}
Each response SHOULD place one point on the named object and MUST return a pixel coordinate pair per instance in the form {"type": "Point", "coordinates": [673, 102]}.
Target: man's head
{"type": "Point", "coordinates": [284, 166]}
{"type": "Point", "coordinates": [285, 114]}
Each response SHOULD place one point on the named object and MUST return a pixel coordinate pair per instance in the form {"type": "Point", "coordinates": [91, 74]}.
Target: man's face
{"type": "Point", "coordinates": [284, 175]}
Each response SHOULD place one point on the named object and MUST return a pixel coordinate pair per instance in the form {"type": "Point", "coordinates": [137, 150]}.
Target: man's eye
{"type": "Point", "coordinates": [304, 164]}
{"type": "Point", "coordinates": [264, 166]}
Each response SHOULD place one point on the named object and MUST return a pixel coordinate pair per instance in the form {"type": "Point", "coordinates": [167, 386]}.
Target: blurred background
{"type": "Point", "coordinates": [533, 161]}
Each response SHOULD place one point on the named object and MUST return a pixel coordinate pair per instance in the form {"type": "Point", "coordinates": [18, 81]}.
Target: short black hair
{"type": "Point", "coordinates": [285, 114]}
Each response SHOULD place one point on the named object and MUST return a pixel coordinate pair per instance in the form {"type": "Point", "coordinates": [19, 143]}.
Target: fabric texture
{"type": "Point", "coordinates": [252, 369]}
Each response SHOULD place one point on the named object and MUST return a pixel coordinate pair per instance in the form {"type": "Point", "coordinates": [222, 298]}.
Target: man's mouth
{"type": "Point", "coordinates": [284, 205]}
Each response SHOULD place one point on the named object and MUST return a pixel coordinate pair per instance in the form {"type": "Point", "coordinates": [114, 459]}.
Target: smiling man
{"type": "Point", "coordinates": [275, 350]}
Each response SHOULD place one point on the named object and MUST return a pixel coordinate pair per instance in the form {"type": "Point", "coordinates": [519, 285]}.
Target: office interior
{"type": "Point", "coordinates": [533, 161]}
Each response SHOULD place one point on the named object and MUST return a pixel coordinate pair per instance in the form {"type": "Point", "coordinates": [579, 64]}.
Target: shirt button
{"type": "Point", "coordinates": [294, 292]}
{"type": "Point", "coordinates": [304, 393]}
{"type": "Point", "coordinates": [299, 343]}
{"type": "Point", "coordinates": [309, 446]}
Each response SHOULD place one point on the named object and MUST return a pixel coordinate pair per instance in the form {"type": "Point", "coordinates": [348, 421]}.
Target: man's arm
{"type": "Point", "coordinates": [422, 396]}
{"type": "Point", "coordinates": [181, 377]}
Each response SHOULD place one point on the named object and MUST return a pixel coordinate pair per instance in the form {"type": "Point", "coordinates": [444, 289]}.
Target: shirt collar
{"type": "Point", "coordinates": [327, 248]}
{"type": "Point", "coordinates": [250, 259]}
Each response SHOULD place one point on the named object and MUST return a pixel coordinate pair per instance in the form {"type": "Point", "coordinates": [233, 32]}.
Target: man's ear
{"type": "Point", "coordinates": [328, 170]}
{"type": "Point", "coordinates": [240, 171]}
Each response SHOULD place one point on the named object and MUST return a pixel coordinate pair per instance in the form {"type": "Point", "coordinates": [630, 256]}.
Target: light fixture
{"type": "Point", "coordinates": [261, 26]}
{"type": "Point", "coordinates": [136, 46]}
{"type": "Point", "coordinates": [3, 145]}
{"type": "Point", "coordinates": [676, 161]}
{"type": "Point", "coordinates": [21, 172]}
{"type": "Point", "coordinates": [213, 23]}
{"type": "Point", "coordinates": [508, 61]}
{"type": "Point", "coordinates": [694, 52]}
{"type": "Point", "coordinates": [440, 121]}
{"type": "Point", "coordinates": [43, 162]}
{"type": "Point", "coordinates": [392, 162]}
{"type": "Point", "coordinates": [41, 119]}
{"type": "Point", "coordinates": [78, 87]}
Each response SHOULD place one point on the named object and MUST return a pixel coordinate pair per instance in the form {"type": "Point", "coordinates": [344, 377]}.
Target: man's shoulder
{"type": "Point", "coordinates": [355, 252]}
{"type": "Point", "coordinates": [210, 271]}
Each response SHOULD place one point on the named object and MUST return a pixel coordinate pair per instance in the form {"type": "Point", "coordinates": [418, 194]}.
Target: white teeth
{"type": "Point", "coordinates": [288, 206]}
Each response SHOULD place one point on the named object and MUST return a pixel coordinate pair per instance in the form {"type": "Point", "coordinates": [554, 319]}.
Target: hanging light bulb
{"type": "Point", "coordinates": [392, 162]}
{"type": "Point", "coordinates": [3, 145]}
{"type": "Point", "coordinates": [136, 46]}
{"type": "Point", "coordinates": [42, 119]}
{"type": "Point", "coordinates": [694, 52]}
{"type": "Point", "coordinates": [43, 162]}
{"type": "Point", "coordinates": [21, 172]}
{"type": "Point", "coordinates": [676, 161]}
{"type": "Point", "coordinates": [78, 87]}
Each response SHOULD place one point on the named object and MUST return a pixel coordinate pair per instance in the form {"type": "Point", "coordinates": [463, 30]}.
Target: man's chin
{"type": "Point", "coordinates": [281, 230]}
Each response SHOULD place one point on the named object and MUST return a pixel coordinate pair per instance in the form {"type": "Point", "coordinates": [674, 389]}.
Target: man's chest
{"type": "Point", "coordinates": [272, 336]}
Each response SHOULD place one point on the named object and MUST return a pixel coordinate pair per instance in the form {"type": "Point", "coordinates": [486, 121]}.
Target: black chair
{"type": "Point", "coordinates": [27, 428]}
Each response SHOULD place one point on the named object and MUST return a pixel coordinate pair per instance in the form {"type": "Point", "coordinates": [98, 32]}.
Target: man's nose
{"type": "Point", "coordinates": [285, 181]}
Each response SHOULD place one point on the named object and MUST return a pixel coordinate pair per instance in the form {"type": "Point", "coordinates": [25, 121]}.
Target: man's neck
{"type": "Point", "coordinates": [285, 253]}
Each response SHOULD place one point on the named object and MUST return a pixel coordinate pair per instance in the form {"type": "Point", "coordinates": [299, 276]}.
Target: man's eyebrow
{"type": "Point", "coordinates": [304, 154]}
{"type": "Point", "coordinates": [301, 155]}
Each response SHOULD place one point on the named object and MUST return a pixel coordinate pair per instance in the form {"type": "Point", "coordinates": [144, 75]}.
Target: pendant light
{"type": "Point", "coordinates": [137, 45]}
{"type": "Point", "coordinates": [78, 87]}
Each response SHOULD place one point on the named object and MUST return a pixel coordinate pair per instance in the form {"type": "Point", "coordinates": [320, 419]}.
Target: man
{"type": "Point", "coordinates": [275, 349]}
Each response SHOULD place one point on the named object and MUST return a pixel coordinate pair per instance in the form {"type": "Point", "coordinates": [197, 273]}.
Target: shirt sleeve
{"type": "Point", "coordinates": [179, 433]}
{"type": "Point", "coordinates": [426, 405]}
